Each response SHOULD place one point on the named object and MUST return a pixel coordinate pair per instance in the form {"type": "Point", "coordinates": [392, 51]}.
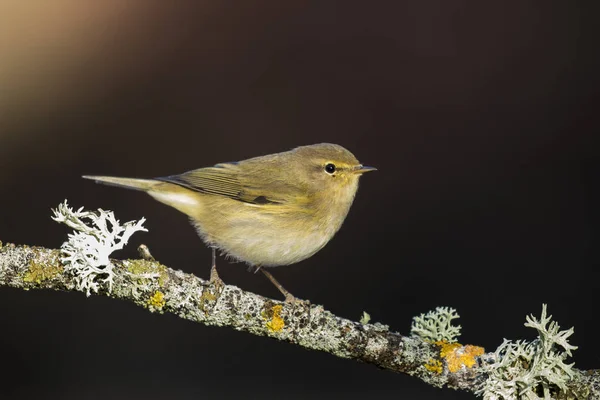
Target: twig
{"type": "Point", "coordinates": [160, 289]}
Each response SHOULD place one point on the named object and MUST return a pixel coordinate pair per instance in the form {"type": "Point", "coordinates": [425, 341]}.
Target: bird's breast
{"type": "Point", "coordinates": [268, 238]}
{"type": "Point", "coordinates": [273, 234]}
{"type": "Point", "coordinates": [274, 247]}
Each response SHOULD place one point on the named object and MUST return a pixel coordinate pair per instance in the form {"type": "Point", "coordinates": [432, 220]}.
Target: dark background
{"type": "Point", "coordinates": [481, 119]}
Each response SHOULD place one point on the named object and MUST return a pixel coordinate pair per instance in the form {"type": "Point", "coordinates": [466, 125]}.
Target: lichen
{"type": "Point", "coordinates": [275, 322]}
{"type": "Point", "coordinates": [157, 301]}
{"type": "Point", "coordinates": [434, 366]}
{"type": "Point", "coordinates": [436, 325]}
{"type": "Point", "coordinates": [206, 299]}
{"type": "Point", "coordinates": [142, 270]}
{"type": "Point", "coordinates": [39, 272]}
{"type": "Point", "coordinates": [531, 370]}
{"type": "Point", "coordinates": [458, 356]}
{"type": "Point", "coordinates": [86, 253]}
{"type": "Point", "coordinates": [365, 318]}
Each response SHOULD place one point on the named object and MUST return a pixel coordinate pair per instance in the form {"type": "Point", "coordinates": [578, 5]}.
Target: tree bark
{"type": "Point", "coordinates": [157, 288]}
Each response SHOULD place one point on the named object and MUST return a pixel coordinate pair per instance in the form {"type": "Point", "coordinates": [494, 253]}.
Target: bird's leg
{"type": "Point", "coordinates": [214, 275]}
{"type": "Point", "coordinates": [253, 268]}
{"type": "Point", "coordinates": [289, 298]}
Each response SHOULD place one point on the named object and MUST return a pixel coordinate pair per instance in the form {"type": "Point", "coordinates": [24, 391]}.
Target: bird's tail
{"type": "Point", "coordinates": [171, 194]}
{"type": "Point", "coordinates": [130, 183]}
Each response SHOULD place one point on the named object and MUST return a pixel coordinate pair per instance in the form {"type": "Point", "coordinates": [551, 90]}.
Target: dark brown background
{"type": "Point", "coordinates": [481, 119]}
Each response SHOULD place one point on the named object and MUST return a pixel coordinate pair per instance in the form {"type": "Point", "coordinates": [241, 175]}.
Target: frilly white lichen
{"type": "Point", "coordinates": [531, 370]}
{"type": "Point", "coordinates": [436, 325]}
{"type": "Point", "coordinates": [86, 253]}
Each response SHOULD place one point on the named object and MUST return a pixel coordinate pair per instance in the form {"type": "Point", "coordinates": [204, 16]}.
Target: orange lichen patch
{"type": "Point", "coordinates": [276, 323]}
{"type": "Point", "coordinates": [434, 366]}
{"type": "Point", "coordinates": [457, 355]}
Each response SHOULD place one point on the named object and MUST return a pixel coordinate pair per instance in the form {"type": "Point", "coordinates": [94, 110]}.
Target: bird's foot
{"type": "Point", "coordinates": [291, 299]}
{"type": "Point", "coordinates": [215, 279]}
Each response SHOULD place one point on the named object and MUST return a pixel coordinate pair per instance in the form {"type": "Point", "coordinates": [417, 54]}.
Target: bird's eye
{"type": "Point", "coordinates": [330, 168]}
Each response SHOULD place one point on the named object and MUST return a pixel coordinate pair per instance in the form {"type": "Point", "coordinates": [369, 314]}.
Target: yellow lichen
{"type": "Point", "coordinates": [157, 300]}
{"type": "Point", "coordinates": [434, 366]}
{"type": "Point", "coordinates": [39, 272]}
{"type": "Point", "coordinates": [457, 355]}
{"type": "Point", "coordinates": [275, 323]}
{"type": "Point", "coordinates": [446, 348]}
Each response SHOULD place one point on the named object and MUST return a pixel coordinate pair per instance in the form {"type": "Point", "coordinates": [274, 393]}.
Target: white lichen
{"type": "Point", "coordinates": [97, 235]}
{"type": "Point", "coordinates": [531, 370]}
{"type": "Point", "coordinates": [436, 325]}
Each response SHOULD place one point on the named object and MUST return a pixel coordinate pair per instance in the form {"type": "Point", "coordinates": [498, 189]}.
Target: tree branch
{"type": "Point", "coordinates": [157, 288]}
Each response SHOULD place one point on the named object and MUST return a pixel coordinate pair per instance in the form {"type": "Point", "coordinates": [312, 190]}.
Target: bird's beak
{"type": "Point", "coordinates": [361, 169]}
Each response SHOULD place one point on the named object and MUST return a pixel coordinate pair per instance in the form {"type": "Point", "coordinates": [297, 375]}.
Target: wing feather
{"type": "Point", "coordinates": [229, 181]}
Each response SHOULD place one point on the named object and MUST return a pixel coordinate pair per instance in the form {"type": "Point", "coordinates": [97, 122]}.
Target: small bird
{"type": "Point", "coordinates": [267, 211]}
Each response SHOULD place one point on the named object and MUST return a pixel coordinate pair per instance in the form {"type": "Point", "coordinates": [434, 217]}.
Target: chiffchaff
{"type": "Point", "coordinates": [267, 211]}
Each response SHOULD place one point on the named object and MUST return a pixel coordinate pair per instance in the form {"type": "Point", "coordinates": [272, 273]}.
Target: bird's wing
{"type": "Point", "coordinates": [229, 181]}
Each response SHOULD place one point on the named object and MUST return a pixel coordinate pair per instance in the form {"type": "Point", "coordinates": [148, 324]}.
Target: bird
{"type": "Point", "coordinates": [267, 211]}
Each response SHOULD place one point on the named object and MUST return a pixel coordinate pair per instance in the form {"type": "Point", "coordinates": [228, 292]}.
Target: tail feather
{"type": "Point", "coordinates": [130, 183]}
{"type": "Point", "coordinates": [178, 197]}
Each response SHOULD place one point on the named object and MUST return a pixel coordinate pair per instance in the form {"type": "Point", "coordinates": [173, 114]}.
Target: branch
{"type": "Point", "coordinates": [157, 288]}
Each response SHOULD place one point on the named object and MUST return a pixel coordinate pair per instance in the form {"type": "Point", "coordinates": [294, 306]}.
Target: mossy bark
{"type": "Point", "coordinates": [157, 288]}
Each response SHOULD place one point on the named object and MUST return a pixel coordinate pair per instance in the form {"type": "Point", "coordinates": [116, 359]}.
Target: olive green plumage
{"type": "Point", "coordinates": [272, 210]}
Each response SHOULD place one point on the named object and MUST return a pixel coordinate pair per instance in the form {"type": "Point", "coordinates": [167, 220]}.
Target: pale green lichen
{"type": "Point", "coordinates": [144, 270]}
{"type": "Point", "coordinates": [39, 272]}
{"type": "Point", "coordinates": [86, 253]}
{"type": "Point", "coordinates": [365, 318]}
{"type": "Point", "coordinates": [436, 325]}
{"type": "Point", "coordinates": [206, 300]}
{"type": "Point", "coordinates": [531, 370]}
